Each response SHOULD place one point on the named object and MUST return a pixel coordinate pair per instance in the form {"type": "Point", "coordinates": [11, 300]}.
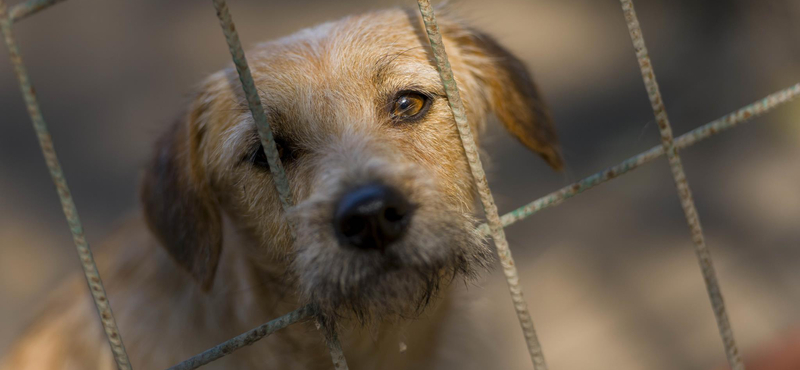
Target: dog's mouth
{"type": "Point", "coordinates": [397, 281]}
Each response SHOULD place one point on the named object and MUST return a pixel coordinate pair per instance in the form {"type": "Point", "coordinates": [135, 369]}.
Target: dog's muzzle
{"type": "Point", "coordinates": [372, 217]}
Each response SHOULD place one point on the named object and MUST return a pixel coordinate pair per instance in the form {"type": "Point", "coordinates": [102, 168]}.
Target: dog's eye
{"type": "Point", "coordinates": [410, 105]}
{"type": "Point", "coordinates": [286, 151]}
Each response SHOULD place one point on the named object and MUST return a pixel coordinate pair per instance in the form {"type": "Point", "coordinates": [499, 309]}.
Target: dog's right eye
{"type": "Point", "coordinates": [286, 152]}
{"type": "Point", "coordinates": [259, 158]}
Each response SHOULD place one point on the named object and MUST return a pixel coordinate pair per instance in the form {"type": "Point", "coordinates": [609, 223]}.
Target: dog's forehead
{"type": "Point", "coordinates": [353, 45]}
{"type": "Point", "coordinates": [340, 69]}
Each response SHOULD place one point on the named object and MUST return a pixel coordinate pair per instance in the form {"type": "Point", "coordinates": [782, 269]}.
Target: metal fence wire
{"type": "Point", "coordinates": [495, 223]}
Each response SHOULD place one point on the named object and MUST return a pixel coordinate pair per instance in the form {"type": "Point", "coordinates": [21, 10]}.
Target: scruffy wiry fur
{"type": "Point", "coordinates": [442, 241]}
{"type": "Point", "coordinates": [212, 254]}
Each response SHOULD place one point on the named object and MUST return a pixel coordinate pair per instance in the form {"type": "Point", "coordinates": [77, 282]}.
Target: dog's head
{"type": "Point", "coordinates": [384, 194]}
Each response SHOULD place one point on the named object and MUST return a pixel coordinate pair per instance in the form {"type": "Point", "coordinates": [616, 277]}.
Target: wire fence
{"type": "Point", "coordinates": [495, 223]}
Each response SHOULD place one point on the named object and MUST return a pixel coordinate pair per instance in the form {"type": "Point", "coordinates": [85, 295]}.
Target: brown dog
{"type": "Point", "coordinates": [384, 214]}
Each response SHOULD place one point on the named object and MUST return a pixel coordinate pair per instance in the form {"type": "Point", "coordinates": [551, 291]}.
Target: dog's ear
{"type": "Point", "coordinates": [510, 91]}
{"type": "Point", "coordinates": [178, 204]}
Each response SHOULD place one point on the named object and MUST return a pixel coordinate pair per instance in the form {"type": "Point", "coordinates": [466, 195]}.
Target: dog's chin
{"type": "Point", "coordinates": [386, 290]}
{"type": "Point", "coordinates": [395, 284]}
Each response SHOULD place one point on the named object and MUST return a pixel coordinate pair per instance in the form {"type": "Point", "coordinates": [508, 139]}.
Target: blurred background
{"type": "Point", "coordinates": [611, 275]}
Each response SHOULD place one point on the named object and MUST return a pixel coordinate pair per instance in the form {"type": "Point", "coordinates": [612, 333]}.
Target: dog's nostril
{"type": "Point", "coordinates": [372, 217]}
{"type": "Point", "coordinates": [392, 214]}
{"type": "Point", "coordinates": [351, 226]}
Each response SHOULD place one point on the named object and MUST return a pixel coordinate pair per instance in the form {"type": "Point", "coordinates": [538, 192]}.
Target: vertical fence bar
{"type": "Point", "coordinates": [335, 349]}
{"type": "Point", "coordinates": [267, 140]}
{"type": "Point", "coordinates": [478, 174]}
{"type": "Point", "coordinates": [67, 204]}
{"type": "Point", "coordinates": [682, 184]}
{"type": "Point", "coordinates": [254, 103]}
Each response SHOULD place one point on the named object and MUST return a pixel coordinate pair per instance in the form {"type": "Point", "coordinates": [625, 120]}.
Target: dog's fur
{"type": "Point", "coordinates": [212, 255]}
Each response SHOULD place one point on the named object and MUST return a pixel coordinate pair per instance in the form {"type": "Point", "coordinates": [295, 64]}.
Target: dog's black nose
{"type": "Point", "coordinates": [372, 217]}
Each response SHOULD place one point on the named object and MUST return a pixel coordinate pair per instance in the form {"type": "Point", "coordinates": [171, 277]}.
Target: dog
{"type": "Point", "coordinates": [383, 222]}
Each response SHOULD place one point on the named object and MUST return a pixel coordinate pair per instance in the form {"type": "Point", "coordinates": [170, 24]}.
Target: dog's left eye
{"type": "Point", "coordinates": [410, 105]}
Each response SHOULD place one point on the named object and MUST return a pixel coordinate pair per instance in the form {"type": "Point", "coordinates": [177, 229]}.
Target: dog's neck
{"type": "Point", "coordinates": [254, 291]}
{"type": "Point", "coordinates": [243, 296]}
{"type": "Point", "coordinates": [262, 291]}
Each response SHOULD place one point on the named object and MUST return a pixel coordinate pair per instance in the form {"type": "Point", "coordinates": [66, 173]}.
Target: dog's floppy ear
{"type": "Point", "coordinates": [511, 93]}
{"type": "Point", "coordinates": [178, 204]}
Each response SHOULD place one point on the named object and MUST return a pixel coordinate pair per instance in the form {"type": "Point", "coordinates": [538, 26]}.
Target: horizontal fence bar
{"type": "Point", "coordinates": [684, 141]}
{"type": "Point", "coordinates": [28, 8]}
{"type": "Point", "coordinates": [478, 174]}
{"type": "Point", "coordinates": [245, 339]}
{"type": "Point", "coordinates": [67, 204]}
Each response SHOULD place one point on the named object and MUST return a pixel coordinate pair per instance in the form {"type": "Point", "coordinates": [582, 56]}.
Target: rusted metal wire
{"type": "Point", "coordinates": [67, 204]}
{"type": "Point", "coordinates": [28, 8]}
{"type": "Point", "coordinates": [245, 339]}
{"type": "Point", "coordinates": [690, 138]}
{"type": "Point", "coordinates": [478, 174]}
{"type": "Point", "coordinates": [682, 184]}
{"type": "Point", "coordinates": [335, 349]}
{"type": "Point", "coordinates": [254, 102]}
{"type": "Point", "coordinates": [267, 140]}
